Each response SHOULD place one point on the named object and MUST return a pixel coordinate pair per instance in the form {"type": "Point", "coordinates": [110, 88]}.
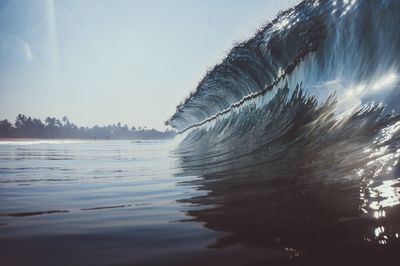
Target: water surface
{"type": "Point", "coordinates": [93, 202]}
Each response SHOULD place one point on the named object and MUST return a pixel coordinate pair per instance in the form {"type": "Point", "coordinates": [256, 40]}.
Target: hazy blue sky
{"type": "Point", "coordinates": [100, 62]}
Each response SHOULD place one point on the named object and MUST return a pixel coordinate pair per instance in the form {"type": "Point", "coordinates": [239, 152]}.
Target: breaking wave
{"type": "Point", "coordinates": [350, 47]}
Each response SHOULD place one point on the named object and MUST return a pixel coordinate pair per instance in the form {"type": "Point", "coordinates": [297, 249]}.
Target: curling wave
{"type": "Point", "coordinates": [349, 46]}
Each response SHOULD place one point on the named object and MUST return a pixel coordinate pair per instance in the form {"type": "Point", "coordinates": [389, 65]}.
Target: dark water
{"type": "Point", "coordinates": [107, 203]}
{"type": "Point", "coordinates": [93, 203]}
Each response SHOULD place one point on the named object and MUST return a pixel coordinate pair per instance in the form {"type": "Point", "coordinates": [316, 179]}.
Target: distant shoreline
{"type": "Point", "coordinates": [19, 139]}
{"type": "Point", "coordinates": [67, 139]}
{"type": "Point", "coordinates": [28, 128]}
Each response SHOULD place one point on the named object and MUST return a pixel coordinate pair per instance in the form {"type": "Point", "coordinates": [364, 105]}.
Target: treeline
{"type": "Point", "coordinates": [28, 127]}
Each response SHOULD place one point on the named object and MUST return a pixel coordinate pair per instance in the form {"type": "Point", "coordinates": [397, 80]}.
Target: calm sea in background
{"type": "Point", "coordinates": [95, 202]}
{"type": "Point", "coordinates": [101, 203]}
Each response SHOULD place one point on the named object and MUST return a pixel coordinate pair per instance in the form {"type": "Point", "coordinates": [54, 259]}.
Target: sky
{"type": "Point", "coordinates": [108, 61]}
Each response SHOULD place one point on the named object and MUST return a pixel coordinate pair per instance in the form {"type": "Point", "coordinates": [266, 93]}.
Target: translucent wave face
{"type": "Point", "coordinates": [351, 45]}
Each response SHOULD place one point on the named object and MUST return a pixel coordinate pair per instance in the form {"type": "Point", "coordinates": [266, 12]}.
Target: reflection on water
{"type": "Point", "coordinates": [379, 191]}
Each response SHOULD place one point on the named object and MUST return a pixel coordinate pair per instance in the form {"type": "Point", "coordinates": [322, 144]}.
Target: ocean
{"type": "Point", "coordinates": [72, 202]}
{"type": "Point", "coordinates": [94, 203]}
{"type": "Point", "coordinates": [287, 153]}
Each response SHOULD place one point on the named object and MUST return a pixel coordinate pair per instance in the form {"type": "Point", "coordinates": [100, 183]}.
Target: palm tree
{"type": "Point", "coordinates": [65, 121]}
{"type": "Point", "coordinates": [50, 121]}
{"type": "Point", "coordinates": [20, 121]}
{"type": "Point", "coordinates": [5, 125]}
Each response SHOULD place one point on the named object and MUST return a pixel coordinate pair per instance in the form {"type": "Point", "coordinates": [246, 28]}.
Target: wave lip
{"type": "Point", "coordinates": [342, 46]}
